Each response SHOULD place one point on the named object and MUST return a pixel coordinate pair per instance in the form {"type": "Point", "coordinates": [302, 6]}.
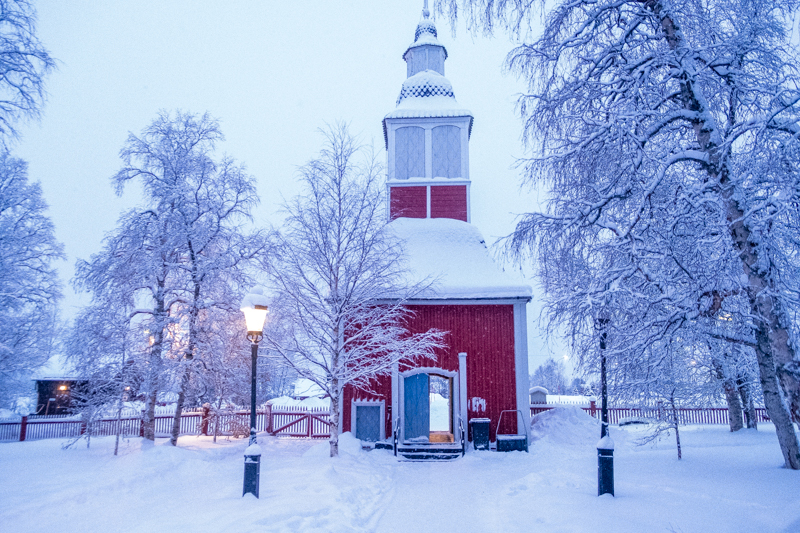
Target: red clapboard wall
{"type": "Point", "coordinates": [449, 201]}
{"type": "Point", "coordinates": [410, 202]}
{"type": "Point", "coordinates": [486, 334]}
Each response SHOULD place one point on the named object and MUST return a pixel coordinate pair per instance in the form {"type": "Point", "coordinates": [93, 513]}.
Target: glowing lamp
{"type": "Point", "coordinates": [62, 387]}
{"type": "Point", "coordinates": [254, 307]}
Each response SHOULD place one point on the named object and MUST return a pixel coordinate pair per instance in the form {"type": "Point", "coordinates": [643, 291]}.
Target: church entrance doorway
{"type": "Point", "coordinates": [428, 408]}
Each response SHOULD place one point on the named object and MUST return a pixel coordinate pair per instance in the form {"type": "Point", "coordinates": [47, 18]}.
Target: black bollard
{"type": "Point", "coordinates": [252, 469]}
{"type": "Point", "coordinates": [605, 466]}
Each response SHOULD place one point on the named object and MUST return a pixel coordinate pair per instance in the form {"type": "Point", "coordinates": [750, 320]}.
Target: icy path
{"type": "Point", "coordinates": [726, 482]}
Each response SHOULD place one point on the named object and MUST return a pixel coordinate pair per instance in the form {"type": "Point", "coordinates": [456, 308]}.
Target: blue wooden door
{"type": "Point", "coordinates": [416, 411]}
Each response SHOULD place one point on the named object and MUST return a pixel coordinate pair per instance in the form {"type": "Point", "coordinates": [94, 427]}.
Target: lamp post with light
{"type": "Point", "coordinates": [254, 307]}
{"type": "Point", "coordinates": [605, 448]}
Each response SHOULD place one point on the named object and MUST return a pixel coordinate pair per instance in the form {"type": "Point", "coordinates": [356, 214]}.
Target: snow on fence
{"type": "Point", "coordinates": [289, 421]}
{"type": "Point", "coordinates": [40, 427]}
{"type": "Point", "coordinates": [686, 415]}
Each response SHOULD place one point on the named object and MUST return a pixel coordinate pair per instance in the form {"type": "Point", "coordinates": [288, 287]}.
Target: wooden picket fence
{"type": "Point", "coordinates": [686, 415]}
{"type": "Point", "coordinates": [43, 427]}
{"type": "Point", "coordinates": [290, 421]}
{"type": "Point", "coordinates": [283, 421]}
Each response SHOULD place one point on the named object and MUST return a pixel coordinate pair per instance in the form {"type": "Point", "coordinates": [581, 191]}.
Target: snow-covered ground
{"type": "Point", "coordinates": [440, 413]}
{"type": "Point", "coordinates": [725, 483]}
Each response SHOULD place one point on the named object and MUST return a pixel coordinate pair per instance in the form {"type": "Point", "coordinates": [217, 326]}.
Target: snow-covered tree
{"type": "Point", "coordinates": [182, 257]}
{"type": "Point", "coordinates": [29, 285]}
{"type": "Point", "coordinates": [106, 350]}
{"type": "Point", "coordinates": [551, 375]}
{"type": "Point", "coordinates": [338, 282]}
{"type": "Point", "coordinates": [135, 270]}
{"type": "Point", "coordinates": [205, 201]}
{"type": "Point", "coordinates": [666, 132]}
{"type": "Point", "coordinates": [24, 63]}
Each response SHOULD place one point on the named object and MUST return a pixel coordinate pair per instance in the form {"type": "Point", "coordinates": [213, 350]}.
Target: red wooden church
{"type": "Point", "coordinates": [484, 370]}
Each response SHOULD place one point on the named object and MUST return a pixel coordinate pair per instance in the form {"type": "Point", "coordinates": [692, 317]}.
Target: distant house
{"type": "Point", "coordinates": [538, 395]}
{"type": "Point", "coordinates": [541, 396]}
{"type": "Point", "coordinates": [55, 394]}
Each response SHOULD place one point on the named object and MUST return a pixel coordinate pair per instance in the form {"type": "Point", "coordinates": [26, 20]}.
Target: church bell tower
{"type": "Point", "coordinates": [427, 137]}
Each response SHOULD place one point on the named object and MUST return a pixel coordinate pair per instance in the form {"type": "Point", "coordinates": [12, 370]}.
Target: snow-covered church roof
{"type": "Point", "coordinates": [452, 256]}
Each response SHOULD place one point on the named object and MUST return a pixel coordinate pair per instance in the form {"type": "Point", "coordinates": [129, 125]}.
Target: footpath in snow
{"type": "Point", "coordinates": [725, 482]}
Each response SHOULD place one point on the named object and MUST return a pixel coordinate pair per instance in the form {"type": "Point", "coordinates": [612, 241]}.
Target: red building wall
{"type": "Point", "coordinates": [449, 201]}
{"type": "Point", "coordinates": [410, 202]}
{"type": "Point", "coordinates": [486, 334]}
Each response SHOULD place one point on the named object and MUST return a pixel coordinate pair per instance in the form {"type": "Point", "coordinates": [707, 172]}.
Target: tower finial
{"type": "Point", "coordinates": [425, 12]}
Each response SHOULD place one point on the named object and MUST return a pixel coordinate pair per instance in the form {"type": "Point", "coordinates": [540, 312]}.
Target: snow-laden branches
{"type": "Point", "coordinates": [29, 285]}
{"type": "Point", "coordinates": [24, 64]}
{"type": "Point", "coordinates": [180, 262]}
{"type": "Point", "coordinates": [666, 135]}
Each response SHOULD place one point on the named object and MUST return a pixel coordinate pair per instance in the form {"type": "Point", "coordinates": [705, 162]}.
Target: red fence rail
{"type": "Point", "coordinates": [686, 415]}
{"type": "Point", "coordinates": [299, 421]}
{"type": "Point", "coordinates": [40, 427]}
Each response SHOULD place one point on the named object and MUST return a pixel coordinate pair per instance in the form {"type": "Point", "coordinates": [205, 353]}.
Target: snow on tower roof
{"type": "Point", "coordinates": [427, 94]}
{"type": "Point", "coordinates": [452, 256]}
{"type": "Point", "coordinates": [426, 34]}
{"type": "Point", "coordinates": [427, 84]}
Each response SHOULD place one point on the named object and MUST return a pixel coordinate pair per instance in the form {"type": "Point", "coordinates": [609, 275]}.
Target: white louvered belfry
{"type": "Point", "coordinates": [446, 151]}
{"type": "Point", "coordinates": [410, 152]}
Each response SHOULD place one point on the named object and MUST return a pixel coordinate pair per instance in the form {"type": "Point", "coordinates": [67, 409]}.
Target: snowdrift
{"type": "Point", "coordinates": [567, 425]}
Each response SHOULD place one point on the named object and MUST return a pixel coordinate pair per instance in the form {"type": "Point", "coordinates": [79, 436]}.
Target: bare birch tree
{"type": "Point", "coordinates": [670, 111]}
{"type": "Point", "coordinates": [337, 277]}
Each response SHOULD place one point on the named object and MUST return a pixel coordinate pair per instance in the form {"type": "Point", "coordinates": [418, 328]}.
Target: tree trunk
{"type": "Point", "coordinates": [176, 420]}
{"type": "Point", "coordinates": [149, 419]}
{"type": "Point", "coordinates": [675, 423]}
{"type": "Point", "coordinates": [731, 395]}
{"type": "Point", "coordinates": [335, 418]}
{"type": "Point", "coordinates": [734, 406]}
{"type": "Point", "coordinates": [772, 348]}
{"type": "Point", "coordinates": [118, 429]}
{"type": "Point", "coordinates": [747, 402]}
{"type": "Point", "coordinates": [204, 421]}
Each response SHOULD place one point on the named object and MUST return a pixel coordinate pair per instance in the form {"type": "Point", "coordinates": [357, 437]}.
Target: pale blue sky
{"type": "Point", "coordinates": [273, 72]}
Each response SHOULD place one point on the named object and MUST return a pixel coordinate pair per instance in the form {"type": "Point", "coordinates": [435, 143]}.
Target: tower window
{"type": "Point", "coordinates": [409, 153]}
{"type": "Point", "coordinates": [446, 152]}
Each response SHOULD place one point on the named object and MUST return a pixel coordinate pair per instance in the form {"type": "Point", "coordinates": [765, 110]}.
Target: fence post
{"type": "Point", "coordinates": [593, 409]}
{"type": "Point", "coordinates": [141, 424]}
{"type": "Point", "coordinates": [23, 428]}
{"type": "Point", "coordinates": [204, 422]}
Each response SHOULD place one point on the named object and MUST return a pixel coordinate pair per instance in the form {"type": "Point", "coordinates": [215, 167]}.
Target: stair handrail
{"type": "Point", "coordinates": [461, 430]}
{"type": "Point", "coordinates": [396, 432]}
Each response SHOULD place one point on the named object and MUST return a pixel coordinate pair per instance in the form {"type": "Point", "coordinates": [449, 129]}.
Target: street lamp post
{"type": "Point", "coordinates": [254, 307]}
{"type": "Point", "coordinates": [605, 448]}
